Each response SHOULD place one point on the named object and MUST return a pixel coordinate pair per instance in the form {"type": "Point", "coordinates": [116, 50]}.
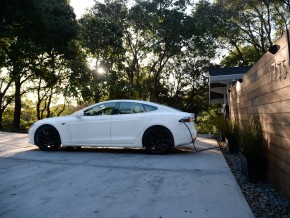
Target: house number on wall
{"type": "Point", "coordinates": [278, 71]}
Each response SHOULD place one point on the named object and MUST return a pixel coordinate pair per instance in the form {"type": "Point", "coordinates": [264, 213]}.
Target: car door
{"type": "Point", "coordinates": [93, 128]}
{"type": "Point", "coordinates": [128, 122]}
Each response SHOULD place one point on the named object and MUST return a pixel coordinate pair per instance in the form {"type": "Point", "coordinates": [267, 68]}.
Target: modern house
{"type": "Point", "coordinates": [263, 91]}
{"type": "Point", "coordinates": [221, 80]}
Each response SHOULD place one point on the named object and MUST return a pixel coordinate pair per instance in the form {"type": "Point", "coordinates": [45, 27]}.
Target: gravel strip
{"type": "Point", "coordinates": [262, 197]}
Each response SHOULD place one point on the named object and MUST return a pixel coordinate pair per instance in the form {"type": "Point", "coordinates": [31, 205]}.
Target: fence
{"type": "Point", "coordinates": [265, 92]}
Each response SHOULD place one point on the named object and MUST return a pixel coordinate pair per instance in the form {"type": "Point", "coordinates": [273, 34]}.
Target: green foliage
{"type": "Point", "coordinates": [101, 33]}
{"type": "Point", "coordinates": [244, 56]}
{"type": "Point", "coordinates": [247, 134]}
{"type": "Point", "coordinates": [28, 115]}
{"type": "Point", "coordinates": [164, 29]}
{"type": "Point", "coordinates": [35, 34]}
{"type": "Point", "coordinates": [140, 49]}
{"type": "Point", "coordinates": [227, 127]}
{"type": "Point", "coordinates": [205, 120]}
{"type": "Point", "coordinates": [222, 125]}
{"type": "Point", "coordinates": [80, 76]}
{"type": "Point", "coordinates": [205, 124]}
{"type": "Point", "coordinates": [244, 28]}
{"type": "Point", "coordinates": [230, 129]}
{"type": "Point", "coordinates": [7, 119]}
{"type": "Point", "coordinates": [27, 119]}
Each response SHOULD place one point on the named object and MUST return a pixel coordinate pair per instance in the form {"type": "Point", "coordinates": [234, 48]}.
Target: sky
{"type": "Point", "coordinates": [80, 6]}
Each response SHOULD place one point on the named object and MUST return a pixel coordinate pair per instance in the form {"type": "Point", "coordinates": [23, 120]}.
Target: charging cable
{"type": "Point", "coordinates": [193, 140]}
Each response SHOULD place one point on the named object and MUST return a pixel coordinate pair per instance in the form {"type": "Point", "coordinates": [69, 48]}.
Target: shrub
{"type": "Point", "coordinates": [250, 137]}
{"type": "Point", "coordinates": [229, 129]}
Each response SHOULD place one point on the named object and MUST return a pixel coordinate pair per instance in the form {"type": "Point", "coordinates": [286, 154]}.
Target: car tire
{"type": "Point", "coordinates": [157, 140]}
{"type": "Point", "coordinates": [47, 138]}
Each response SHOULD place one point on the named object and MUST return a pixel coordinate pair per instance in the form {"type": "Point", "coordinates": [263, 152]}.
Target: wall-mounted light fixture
{"type": "Point", "coordinates": [273, 49]}
{"type": "Point", "coordinates": [240, 80]}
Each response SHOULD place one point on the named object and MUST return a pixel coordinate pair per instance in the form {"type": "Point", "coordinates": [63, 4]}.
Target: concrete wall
{"type": "Point", "coordinates": [265, 92]}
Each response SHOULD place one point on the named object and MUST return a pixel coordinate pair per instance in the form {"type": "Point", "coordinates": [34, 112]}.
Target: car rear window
{"type": "Point", "coordinates": [149, 108]}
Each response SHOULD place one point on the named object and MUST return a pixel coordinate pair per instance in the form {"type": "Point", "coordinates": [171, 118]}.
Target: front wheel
{"type": "Point", "coordinates": [157, 140]}
{"type": "Point", "coordinates": [47, 138]}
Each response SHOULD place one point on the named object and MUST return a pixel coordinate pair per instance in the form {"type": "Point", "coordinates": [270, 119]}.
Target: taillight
{"type": "Point", "coordinates": [186, 120]}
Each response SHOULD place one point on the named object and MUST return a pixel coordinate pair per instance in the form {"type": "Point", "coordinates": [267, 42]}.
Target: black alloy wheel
{"type": "Point", "coordinates": [47, 138]}
{"type": "Point", "coordinates": [158, 140]}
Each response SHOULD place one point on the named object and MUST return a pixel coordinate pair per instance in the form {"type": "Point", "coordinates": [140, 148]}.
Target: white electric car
{"type": "Point", "coordinates": [117, 123]}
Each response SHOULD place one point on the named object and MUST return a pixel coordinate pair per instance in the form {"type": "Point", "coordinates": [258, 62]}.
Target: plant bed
{"type": "Point", "coordinates": [230, 130]}
{"type": "Point", "coordinates": [251, 150]}
{"type": "Point", "coordinates": [254, 168]}
{"type": "Point", "coordinates": [232, 146]}
{"type": "Point", "coordinates": [263, 199]}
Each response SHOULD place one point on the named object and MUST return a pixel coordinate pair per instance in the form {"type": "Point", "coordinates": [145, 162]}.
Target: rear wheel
{"type": "Point", "coordinates": [158, 140]}
{"type": "Point", "coordinates": [47, 138]}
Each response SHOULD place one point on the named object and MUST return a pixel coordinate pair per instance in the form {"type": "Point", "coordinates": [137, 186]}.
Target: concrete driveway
{"type": "Point", "coordinates": [116, 182]}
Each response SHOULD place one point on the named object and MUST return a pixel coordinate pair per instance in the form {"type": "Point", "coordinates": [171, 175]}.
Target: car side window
{"type": "Point", "coordinates": [130, 108]}
{"type": "Point", "coordinates": [101, 109]}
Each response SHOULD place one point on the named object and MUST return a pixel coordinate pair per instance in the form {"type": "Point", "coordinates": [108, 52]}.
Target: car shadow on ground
{"type": "Point", "coordinates": [179, 150]}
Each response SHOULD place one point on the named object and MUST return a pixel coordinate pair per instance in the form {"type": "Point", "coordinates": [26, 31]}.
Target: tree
{"type": "Point", "coordinates": [32, 28]}
{"type": "Point", "coordinates": [247, 56]}
{"type": "Point", "coordinates": [52, 81]}
{"type": "Point", "coordinates": [5, 97]}
{"type": "Point", "coordinates": [164, 29]}
{"type": "Point", "coordinates": [80, 76]}
{"type": "Point", "coordinates": [101, 32]}
{"type": "Point", "coordinates": [142, 47]}
{"type": "Point", "coordinates": [21, 54]}
{"type": "Point", "coordinates": [286, 2]}
{"type": "Point", "coordinates": [251, 25]}
{"type": "Point", "coordinates": [186, 87]}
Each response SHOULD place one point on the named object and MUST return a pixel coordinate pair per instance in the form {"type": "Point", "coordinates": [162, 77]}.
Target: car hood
{"type": "Point", "coordinates": [54, 120]}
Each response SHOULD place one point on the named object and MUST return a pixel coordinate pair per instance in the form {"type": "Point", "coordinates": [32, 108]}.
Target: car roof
{"type": "Point", "coordinates": [145, 102]}
{"type": "Point", "coordinates": [160, 107]}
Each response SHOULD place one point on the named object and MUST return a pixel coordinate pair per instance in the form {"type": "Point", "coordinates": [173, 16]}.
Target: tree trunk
{"type": "Point", "coordinates": [17, 107]}
{"type": "Point", "coordinates": [1, 111]}
{"type": "Point", "coordinates": [38, 110]}
{"type": "Point", "coordinates": [48, 112]}
{"type": "Point", "coordinates": [154, 90]}
{"type": "Point", "coordinates": [4, 105]}
{"type": "Point", "coordinates": [1, 119]}
{"type": "Point", "coordinates": [39, 100]}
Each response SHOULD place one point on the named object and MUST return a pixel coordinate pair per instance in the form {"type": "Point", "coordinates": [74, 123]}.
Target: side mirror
{"type": "Point", "coordinates": [79, 114]}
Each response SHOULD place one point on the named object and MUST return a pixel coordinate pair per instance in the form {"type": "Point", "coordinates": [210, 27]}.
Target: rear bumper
{"type": "Point", "coordinates": [185, 135]}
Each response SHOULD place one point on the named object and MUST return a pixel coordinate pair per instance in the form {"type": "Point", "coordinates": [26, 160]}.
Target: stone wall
{"type": "Point", "coordinates": [265, 92]}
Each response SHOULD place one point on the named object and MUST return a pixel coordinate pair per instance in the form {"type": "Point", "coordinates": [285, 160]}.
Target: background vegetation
{"type": "Point", "coordinates": [156, 50]}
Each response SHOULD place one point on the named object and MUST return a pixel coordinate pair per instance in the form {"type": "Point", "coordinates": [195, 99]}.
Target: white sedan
{"type": "Point", "coordinates": [117, 123]}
